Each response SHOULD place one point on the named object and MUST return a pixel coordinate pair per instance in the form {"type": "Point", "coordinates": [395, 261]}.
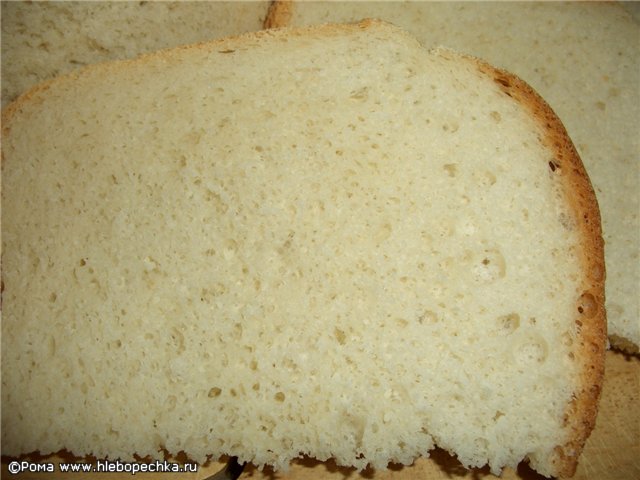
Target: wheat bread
{"type": "Point", "coordinates": [41, 40]}
{"type": "Point", "coordinates": [323, 241]}
{"type": "Point", "coordinates": [591, 81]}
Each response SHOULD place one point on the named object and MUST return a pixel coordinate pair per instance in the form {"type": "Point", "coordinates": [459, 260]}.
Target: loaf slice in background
{"type": "Point", "coordinates": [327, 242]}
{"type": "Point", "coordinates": [41, 40]}
{"type": "Point", "coordinates": [583, 58]}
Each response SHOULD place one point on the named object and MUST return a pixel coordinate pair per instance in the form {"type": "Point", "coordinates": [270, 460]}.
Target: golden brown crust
{"type": "Point", "coordinates": [590, 345]}
{"type": "Point", "coordinates": [279, 14]}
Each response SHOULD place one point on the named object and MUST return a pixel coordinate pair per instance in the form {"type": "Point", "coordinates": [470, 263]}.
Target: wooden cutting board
{"type": "Point", "coordinates": [612, 452]}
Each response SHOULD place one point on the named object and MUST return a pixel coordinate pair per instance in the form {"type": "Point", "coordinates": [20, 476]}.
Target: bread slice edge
{"type": "Point", "coordinates": [590, 315]}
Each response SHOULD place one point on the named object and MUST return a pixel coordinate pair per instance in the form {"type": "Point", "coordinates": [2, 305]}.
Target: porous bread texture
{"type": "Point", "coordinates": [587, 85]}
{"type": "Point", "coordinates": [390, 249]}
{"type": "Point", "coordinates": [590, 81]}
{"type": "Point", "coordinates": [41, 40]}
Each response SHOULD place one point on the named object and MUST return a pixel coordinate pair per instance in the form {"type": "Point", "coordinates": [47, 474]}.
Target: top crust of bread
{"type": "Point", "coordinates": [588, 347]}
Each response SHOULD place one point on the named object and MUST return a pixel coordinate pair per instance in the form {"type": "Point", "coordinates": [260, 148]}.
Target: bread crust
{"type": "Point", "coordinates": [590, 315]}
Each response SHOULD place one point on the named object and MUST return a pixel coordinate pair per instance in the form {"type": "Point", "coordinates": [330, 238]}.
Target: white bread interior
{"type": "Point", "coordinates": [583, 59]}
{"type": "Point", "coordinates": [325, 241]}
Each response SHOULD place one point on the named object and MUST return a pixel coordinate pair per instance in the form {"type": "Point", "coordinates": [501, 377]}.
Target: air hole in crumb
{"type": "Point", "coordinates": [554, 166]}
{"type": "Point", "coordinates": [401, 322]}
{"type": "Point", "coordinates": [491, 267]}
{"type": "Point", "coordinates": [452, 127]}
{"type": "Point", "coordinates": [237, 331]}
{"type": "Point", "coordinates": [279, 397]}
{"type": "Point", "coordinates": [53, 297]}
{"type": "Point", "coordinates": [533, 350]}
{"type": "Point", "coordinates": [82, 262]}
{"type": "Point", "coordinates": [587, 305]}
{"type": "Point", "coordinates": [427, 317]}
{"type": "Point", "coordinates": [214, 392]}
{"type": "Point", "coordinates": [484, 178]}
{"type": "Point", "coordinates": [177, 339]}
{"type": "Point", "coordinates": [340, 336]}
{"type": "Point", "coordinates": [451, 169]}
{"type": "Point", "coordinates": [361, 94]}
{"type": "Point", "coordinates": [509, 323]}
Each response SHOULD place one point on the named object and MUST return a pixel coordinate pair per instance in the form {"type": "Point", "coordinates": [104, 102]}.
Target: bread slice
{"type": "Point", "coordinates": [41, 40]}
{"type": "Point", "coordinates": [589, 80]}
{"type": "Point", "coordinates": [326, 241]}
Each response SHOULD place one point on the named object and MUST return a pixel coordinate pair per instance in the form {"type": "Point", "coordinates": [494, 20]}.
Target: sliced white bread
{"type": "Point", "coordinates": [41, 40]}
{"type": "Point", "coordinates": [326, 242]}
{"type": "Point", "coordinates": [583, 58]}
